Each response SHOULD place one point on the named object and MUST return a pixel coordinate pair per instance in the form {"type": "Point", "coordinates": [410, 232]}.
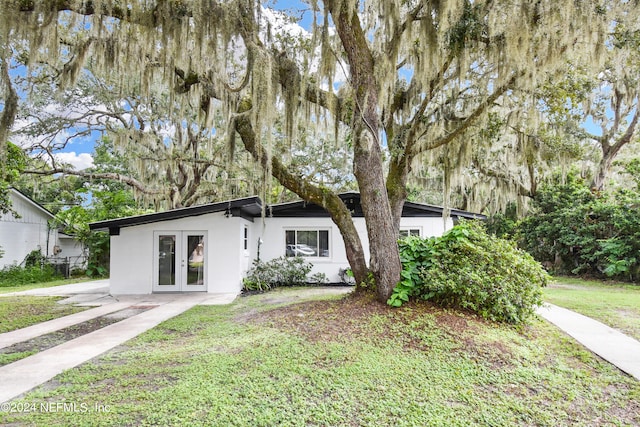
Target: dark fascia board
{"type": "Point", "coordinates": [352, 200]}
{"type": "Point", "coordinates": [251, 207]}
{"type": "Point", "coordinates": [302, 208]}
{"type": "Point", "coordinates": [248, 208]}
{"type": "Point", "coordinates": [437, 211]}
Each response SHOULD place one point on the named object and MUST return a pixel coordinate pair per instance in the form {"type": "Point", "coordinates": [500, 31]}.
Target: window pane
{"type": "Point", "coordinates": [323, 237]}
{"type": "Point", "coordinates": [306, 243]}
{"type": "Point", "coordinates": [290, 237]}
{"type": "Point", "coordinates": [410, 232]}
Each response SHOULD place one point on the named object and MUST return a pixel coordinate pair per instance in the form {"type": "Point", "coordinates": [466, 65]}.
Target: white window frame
{"type": "Point", "coordinates": [316, 229]}
{"type": "Point", "coordinates": [408, 230]}
{"type": "Point", "coordinates": [245, 238]}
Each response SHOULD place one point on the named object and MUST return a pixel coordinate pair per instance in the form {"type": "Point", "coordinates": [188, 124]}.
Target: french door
{"type": "Point", "coordinates": [179, 261]}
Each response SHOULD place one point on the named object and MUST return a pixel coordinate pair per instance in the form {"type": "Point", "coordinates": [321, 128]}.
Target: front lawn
{"type": "Point", "coordinates": [614, 304]}
{"type": "Point", "coordinates": [264, 361]}
{"type": "Point", "coordinates": [18, 312]}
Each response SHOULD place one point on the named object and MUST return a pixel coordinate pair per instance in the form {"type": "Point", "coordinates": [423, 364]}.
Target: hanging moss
{"type": "Point", "coordinates": [203, 58]}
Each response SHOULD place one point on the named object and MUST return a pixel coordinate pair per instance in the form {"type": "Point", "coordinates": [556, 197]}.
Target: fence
{"type": "Point", "coordinates": [65, 265]}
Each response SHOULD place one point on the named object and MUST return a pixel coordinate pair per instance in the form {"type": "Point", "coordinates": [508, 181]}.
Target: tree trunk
{"type": "Point", "coordinates": [383, 234]}
{"type": "Point", "coordinates": [340, 215]}
{"type": "Point", "coordinates": [367, 164]}
{"type": "Point", "coordinates": [609, 152]}
{"type": "Point", "coordinates": [597, 183]}
{"type": "Point", "coordinates": [397, 188]}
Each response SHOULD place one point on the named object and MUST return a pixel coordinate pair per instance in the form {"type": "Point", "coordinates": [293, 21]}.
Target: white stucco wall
{"type": "Point", "coordinates": [429, 227]}
{"type": "Point", "coordinates": [131, 261]}
{"type": "Point", "coordinates": [227, 261]}
{"type": "Point", "coordinates": [273, 236]}
{"type": "Point", "coordinates": [274, 246]}
{"type": "Point", "coordinates": [71, 249]}
{"type": "Point", "coordinates": [132, 253]}
{"type": "Point", "coordinates": [227, 258]}
{"type": "Point", "coordinates": [20, 236]}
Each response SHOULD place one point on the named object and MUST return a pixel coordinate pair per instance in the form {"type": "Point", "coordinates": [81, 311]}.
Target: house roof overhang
{"type": "Point", "coordinates": [352, 201]}
{"type": "Point", "coordinates": [249, 208]}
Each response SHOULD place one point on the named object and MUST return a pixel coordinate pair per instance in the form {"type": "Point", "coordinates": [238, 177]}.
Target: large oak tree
{"type": "Point", "coordinates": [409, 79]}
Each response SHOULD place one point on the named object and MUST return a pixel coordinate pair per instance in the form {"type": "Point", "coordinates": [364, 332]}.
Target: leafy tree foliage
{"type": "Point", "coordinates": [9, 174]}
{"type": "Point", "coordinates": [574, 230]}
{"type": "Point", "coordinates": [77, 200]}
{"type": "Point", "coordinates": [105, 204]}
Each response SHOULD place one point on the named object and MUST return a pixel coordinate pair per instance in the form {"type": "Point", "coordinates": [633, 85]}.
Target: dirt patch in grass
{"type": "Point", "coordinates": [47, 341]}
{"type": "Point", "coordinates": [421, 326]}
{"type": "Point", "coordinates": [321, 321]}
{"type": "Point", "coordinates": [354, 317]}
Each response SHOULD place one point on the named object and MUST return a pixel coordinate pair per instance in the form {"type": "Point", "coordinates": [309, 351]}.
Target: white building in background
{"type": "Point", "coordinates": [210, 248]}
{"type": "Point", "coordinates": [30, 230]}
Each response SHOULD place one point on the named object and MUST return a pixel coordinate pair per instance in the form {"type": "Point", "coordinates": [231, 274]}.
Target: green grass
{"type": "Point", "coordinates": [614, 304]}
{"type": "Point", "coordinates": [338, 363]}
{"type": "Point", "coordinates": [5, 359]}
{"type": "Point", "coordinates": [8, 289]}
{"type": "Point", "coordinates": [18, 312]}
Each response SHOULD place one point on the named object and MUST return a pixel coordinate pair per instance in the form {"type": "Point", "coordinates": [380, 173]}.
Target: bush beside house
{"type": "Point", "coordinates": [470, 269]}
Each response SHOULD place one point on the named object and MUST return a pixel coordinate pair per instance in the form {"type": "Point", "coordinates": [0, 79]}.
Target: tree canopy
{"type": "Point", "coordinates": [399, 85]}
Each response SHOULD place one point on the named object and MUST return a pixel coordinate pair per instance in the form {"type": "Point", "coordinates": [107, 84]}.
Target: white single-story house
{"type": "Point", "coordinates": [31, 230]}
{"type": "Point", "coordinates": [210, 248]}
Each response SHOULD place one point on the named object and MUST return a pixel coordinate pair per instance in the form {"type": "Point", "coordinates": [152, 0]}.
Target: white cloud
{"type": "Point", "coordinates": [77, 161]}
{"type": "Point", "coordinates": [280, 23]}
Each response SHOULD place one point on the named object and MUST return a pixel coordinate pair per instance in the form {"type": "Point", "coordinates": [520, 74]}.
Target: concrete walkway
{"type": "Point", "coordinates": [608, 343]}
{"type": "Point", "coordinates": [93, 288]}
{"type": "Point", "coordinates": [25, 374]}
{"type": "Point", "coordinates": [30, 332]}
{"type": "Point", "coordinates": [83, 294]}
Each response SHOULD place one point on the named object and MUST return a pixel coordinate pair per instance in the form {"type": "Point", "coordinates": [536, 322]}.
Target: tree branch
{"type": "Point", "coordinates": [132, 182]}
{"type": "Point", "coordinates": [412, 16]}
{"type": "Point", "coordinates": [467, 121]}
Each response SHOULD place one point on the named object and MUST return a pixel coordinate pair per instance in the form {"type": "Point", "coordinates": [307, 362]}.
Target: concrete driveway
{"type": "Point", "coordinates": [21, 376]}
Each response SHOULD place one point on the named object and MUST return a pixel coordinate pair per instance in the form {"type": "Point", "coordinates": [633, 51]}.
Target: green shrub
{"type": "Point", "coordinates": [573, 230]}
{"type": "Point", "coordinates": [283, 271]}
{"type": "Point", "coordinates": [99, 254]}
{"type": "Point", "coordinates": [34, 259]}
{"type": "Point", "coordinates": [15, 275]}
{"type": "Point", "coordinates": [470, 269]}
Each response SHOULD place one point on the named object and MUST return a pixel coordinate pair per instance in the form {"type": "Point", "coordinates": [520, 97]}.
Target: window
{"type": "Point", "coordinates": [245, 239]}
{"type": "Point", "coordinates": [410, 232]}
{"type": "Point", "coordinates": [308, 243]}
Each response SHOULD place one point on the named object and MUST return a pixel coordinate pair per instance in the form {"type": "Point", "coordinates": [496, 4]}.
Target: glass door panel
{"type": "Point", "coordinates": [166, 244]}
{"type": "Point", "coordinates": [194, 245]}
{"type": "Point", "coordinates": [180, 261]}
